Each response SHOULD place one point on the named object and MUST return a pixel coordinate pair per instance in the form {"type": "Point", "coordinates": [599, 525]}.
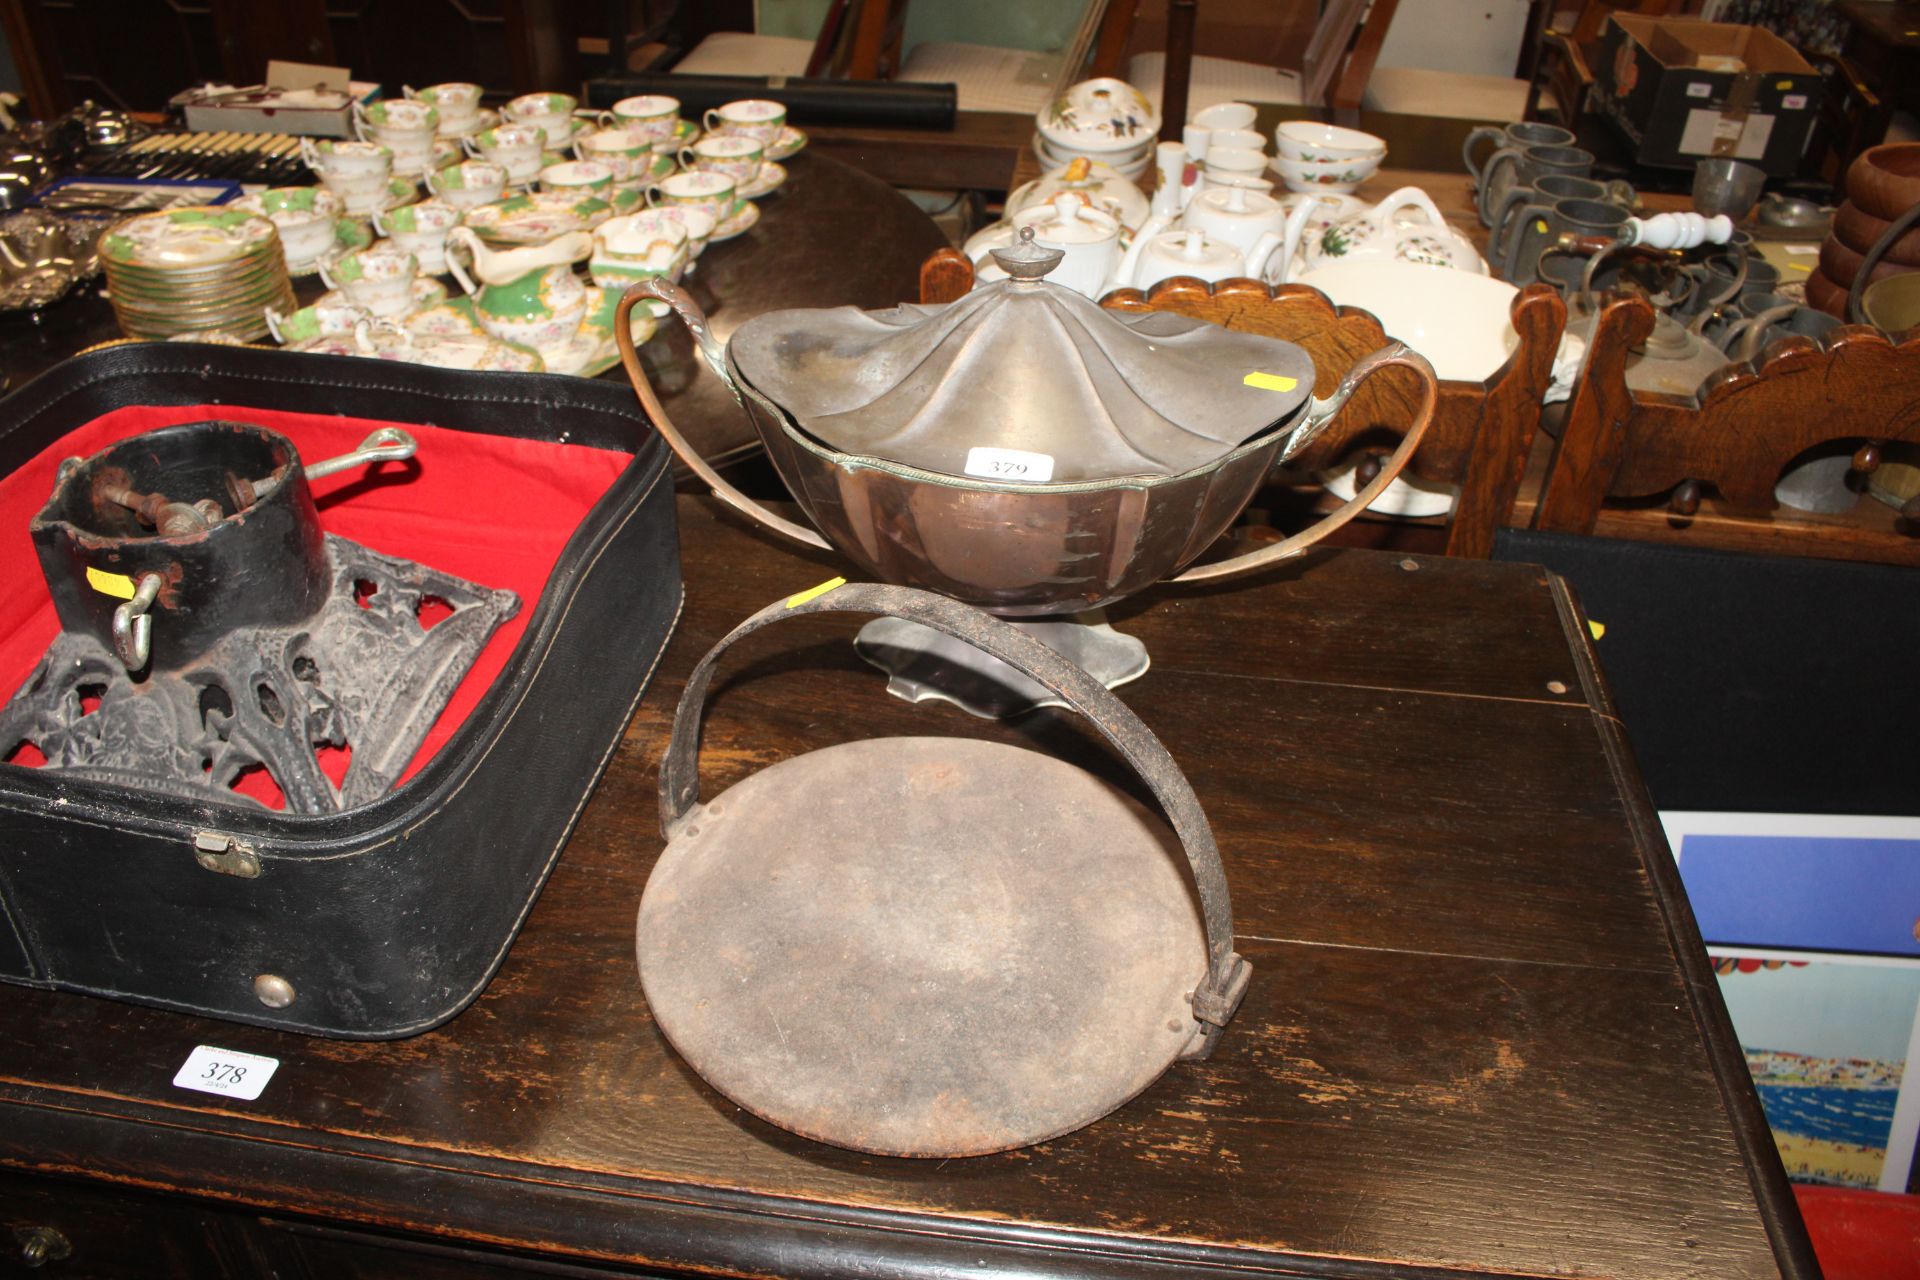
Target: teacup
{"type": "Point", "coordinates": [305, 217]}
{"type": "Point", "coordinates": [361, 196]}
{"type": "Point", "coordinates": [707, 190]}
{"type": "Point", "coordinates": [1236, 139]}
{"type": "Point", "coordinates": [469, 185]}
{"type": "Point", "coordinates": [458, 104]}
{"type": "Point", "coordinates": [736, 155]}
{"type": "Point", "coordinates": [587, 177]}
{"type": "Point", "coordinates": [421, 229]}
{"type": "Point", "coordinates": [638, 246]}
{"type": "Point", "coordinates": [1235, 160]}
{"type": "Point", "coordinates": [627, 153]}
{"type": "Point", "coordinates": [379, 279]}
{"type": "Point", "coordinates": [514, 147]}
{"type": "Point", "coordinates": [652, 116]}
{"type": "Point", "coordinates": [336, 159]}
{"type": "Point", "coordinates": [1197, 135]}
{"type": "Point", "coordinates": [552, 113]}
{"type": "Point", "coordinates": [404, 127]}
{"type": "Point", "coordinates": [750, 117]}
{"type": "Point", "coordinates": [321, 320]}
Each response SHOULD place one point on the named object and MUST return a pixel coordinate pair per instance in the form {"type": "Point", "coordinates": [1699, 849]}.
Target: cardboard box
{"type": "Point", "coordinates": [297, 98]}
{"type": "Point", "coordinates": [1682, 90]}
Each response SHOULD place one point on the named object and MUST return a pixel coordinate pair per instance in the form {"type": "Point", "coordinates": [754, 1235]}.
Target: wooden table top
{"type": "Point", "coordinates": [1481, 1036]}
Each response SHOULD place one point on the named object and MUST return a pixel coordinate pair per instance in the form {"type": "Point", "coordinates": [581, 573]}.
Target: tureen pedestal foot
{"type": "Point", "coordinates": [922, 663]}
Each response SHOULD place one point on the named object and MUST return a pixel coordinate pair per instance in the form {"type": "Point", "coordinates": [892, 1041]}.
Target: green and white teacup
{"type": "Point", "coordinates": [706, 190]}
{"type": "Point", "coordinates": [587, 177]}
{"type": "Point", "coordinates": [651, 115]}
{"type": "Point", "coordinates": [379, 279]}
{"type": "Point", "coordinates": [458, 104]}
{"type": "Point", "coordinates": [421, 229]}
{"type": "Point", "coordinates": [469, 185]}
{"type": "Point", "coordinates": [627, 153]}
{"type": "Point", "coordinates": [750, 117]}
{"type": "Point", "coordinates": [639, 246]}
{"type": "Point", "coordinates": [321, 320]}
{"type": "Point", "coordinates": [734, 154]}
{"type": "Point", "coordinates": [550, 112]}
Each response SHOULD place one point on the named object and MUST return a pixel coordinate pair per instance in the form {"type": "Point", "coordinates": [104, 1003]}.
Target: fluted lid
{"type": "Point", "coordinates": [1027, 368]}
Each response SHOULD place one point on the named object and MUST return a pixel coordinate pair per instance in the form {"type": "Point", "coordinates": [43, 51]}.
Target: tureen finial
{"type": "Point", "coordinates": [1029, 259]}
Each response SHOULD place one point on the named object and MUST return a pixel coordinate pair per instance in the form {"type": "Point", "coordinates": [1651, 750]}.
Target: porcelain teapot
{"type": "Point", "coordinates": [529, 296]}
{"type": "Point", "coordinates": [1236, 215]}
{"type": "Point", "coordinates": [1379, 234]}
{"type": "Point", "coordinates": [1158, 253]}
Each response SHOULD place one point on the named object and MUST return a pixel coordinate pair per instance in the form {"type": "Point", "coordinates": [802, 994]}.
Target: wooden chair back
{"type": "Point", "coordinates": [1481, 432]}
{"type": "Point", "coordinates": [1717, 459]}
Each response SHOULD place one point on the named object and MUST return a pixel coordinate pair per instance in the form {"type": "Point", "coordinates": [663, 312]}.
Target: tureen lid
{"type": "Point", "coordinates": [1099, 116]}
{"type": "Point", "coordinates": [1022, 367]}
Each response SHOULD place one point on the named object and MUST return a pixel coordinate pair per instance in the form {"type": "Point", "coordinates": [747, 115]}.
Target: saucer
{"type": "Point", "coordinates": [427, 292]}
{"type": "Point", "coordinates": [452, 318]}
{"type": "Point", "coordinates": [766, 182]}
{"type": "Point", "coordinates": [350, 235]}
{"type": "Point", "coordinates": [737, 224]}
{"type": "Point", "coordinates": [791, 142]}
{"type": "Point", "coordinates": [537, 217]}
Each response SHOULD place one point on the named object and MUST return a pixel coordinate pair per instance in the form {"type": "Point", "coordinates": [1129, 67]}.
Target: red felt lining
{"type": "Point", "coordinates": [493, 510]}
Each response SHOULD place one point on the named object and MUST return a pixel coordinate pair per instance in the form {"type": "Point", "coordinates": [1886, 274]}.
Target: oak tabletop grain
{"type": "Point", "coordinates": [1480, 1037]}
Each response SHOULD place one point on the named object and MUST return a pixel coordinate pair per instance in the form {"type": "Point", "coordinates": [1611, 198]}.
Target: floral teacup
{"type": "Point", "coordinates": [344, 160]}
{"type": "Point", "coordinates": [652, 116]}
{"type": "Point", "coordinates": [514, 147]}
{"type": "Point", "coordinates": [305, 216]}
{"type": "Point", "coordinates": [736, 155]}
{"type": "Point", "coordinates": [552, 113]}
{"type": "Point", "coordinates": [710, 192]}
{"type": "Point", "coordinates": [458, 105]}
{"type": "Point", "coordinates": [421, 229]}
{"type": "Point", "coordinates": [588, 177]}
{"type": "Point", "coordinates": [321, 320]}
{"type": "Point", "coordinates": [750, 117]}
{"type": "Point", "coordinates": [469, 185]}
{"type": "Point", "coordinates": [627, 153]}
{"type": "Point", "coordinates": [379, 279]}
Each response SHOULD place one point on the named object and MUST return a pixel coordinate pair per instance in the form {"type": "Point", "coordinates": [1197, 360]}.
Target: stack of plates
{"type": "Point", "coordinates": [1130, 163]}
{"type": "Point", "coordinates": [196, 270]}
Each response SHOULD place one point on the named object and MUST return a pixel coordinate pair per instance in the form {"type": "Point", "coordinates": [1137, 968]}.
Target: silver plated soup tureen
{"type": "Point", "coordinates": [1023, 450]}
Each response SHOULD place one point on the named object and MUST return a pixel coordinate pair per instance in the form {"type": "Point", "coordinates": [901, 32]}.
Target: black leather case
{"type": "Point", "coordinates": [387, 919]}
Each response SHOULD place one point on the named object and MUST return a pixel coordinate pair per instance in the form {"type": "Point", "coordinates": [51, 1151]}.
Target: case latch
{"type": "Point", "coordinates": [217, 851]}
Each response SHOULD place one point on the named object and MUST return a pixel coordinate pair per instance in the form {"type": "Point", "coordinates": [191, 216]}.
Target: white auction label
{"type": "Point", "coordinates": [1009, 464]}
{"type": "Point", "coordinates": [226, 1072]}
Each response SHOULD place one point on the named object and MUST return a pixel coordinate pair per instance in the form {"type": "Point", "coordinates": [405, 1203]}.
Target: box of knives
{"type": "Point", "coordinates": [117, 197]}
{"type": "Point", "coordinates": [267, 159]}
{"type": "Point", "coordinates": [266, 109]}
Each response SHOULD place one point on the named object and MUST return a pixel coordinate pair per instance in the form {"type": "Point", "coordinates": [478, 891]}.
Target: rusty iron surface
{"type": "Point", "coordinates": [923, 946]}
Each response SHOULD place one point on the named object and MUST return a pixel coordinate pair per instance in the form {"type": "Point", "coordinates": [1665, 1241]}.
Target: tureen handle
{"type": "Point", "coordinates": [716, 357]}
{"type": "Point", "coordinates": [1319, 414]}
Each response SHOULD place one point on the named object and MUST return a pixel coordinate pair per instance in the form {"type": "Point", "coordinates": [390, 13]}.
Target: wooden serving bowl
{"type": "Point", "coordinates": [1885, 180]}
{"type": "Point", "coordinates": [1842, 264]}
{"type": "Point", "coordinates": [1858, 230]}
{"type": "Point", "coordinates": [1826, 295]}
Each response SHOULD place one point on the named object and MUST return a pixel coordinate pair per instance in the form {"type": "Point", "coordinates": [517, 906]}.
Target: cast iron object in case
{"type": "Point", "coordinates": [222, 630]}
{"type": "Point", "coordinates": [976, 947]}
{"type": "Point", "coordinates": [388, 919]}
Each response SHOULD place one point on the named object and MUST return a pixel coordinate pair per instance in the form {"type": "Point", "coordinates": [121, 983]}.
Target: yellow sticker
{"type": "Point", "coordinates": [1540, 225]}
{"type": "Point", "coordinates": [118, 585]}
{"type": "Point", "coordinates": [1598, 628]}
{"type": "Point", "coordinates": [1783, 85]}
{"type": "Point", "coordinates": [1270, 382]}
{"type": "Point", "coordinates": [814, 593]}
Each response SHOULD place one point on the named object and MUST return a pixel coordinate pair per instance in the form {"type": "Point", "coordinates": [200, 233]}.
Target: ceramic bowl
{"type": "Point", "coordinates": [1458, 321]}
{"type": "Point", "coordinates": [1099, 117]}
{"type": "Point", "coordinates": [1340, 176]}
{"type": "Point", "coordinates": [1307, 141]}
